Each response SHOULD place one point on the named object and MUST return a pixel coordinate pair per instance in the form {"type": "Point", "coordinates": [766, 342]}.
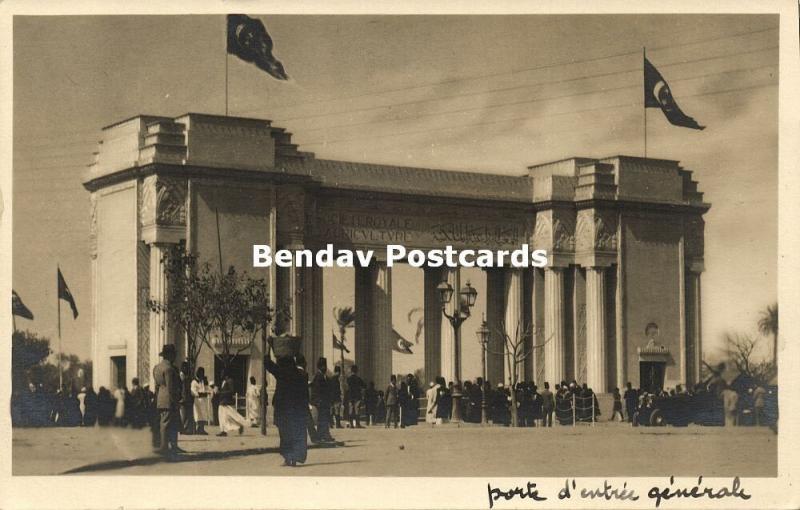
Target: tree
{"type": "Point", "coordinates": [28, 350]}
{"type": "Point", "coordinates": [239, 311]}
{"type": "Point", "coordinates": [739, 349]}
{"type": "Point", "coordinates": [345, 318]}
{"type": "Point", "coordinates": [768, 326]}
{"type": "Point", "coordinates": [207, 307]}
{"type": "Point", "coordinates": [515, 351]}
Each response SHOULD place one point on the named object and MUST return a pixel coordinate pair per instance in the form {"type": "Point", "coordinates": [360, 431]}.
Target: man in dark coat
{"type": "Point", "coordinates": [630, 401]}
{"type": "Point", "coordinates": [320, 400]}
{"type": "Point", "coordinates": [548, 405]}
{"type": "Point", "coordinates": [187, 400]}
{"type": "Point", "coordinates": [336, 396]}
{"type": "Point", "coordinates": [168, 397]}
{"type": "Point", "coordinates": [355, 395]}
{"type": "Point", "coordinates": [290, 407]}
{"type": "Point", "coordinates": [138, 405]}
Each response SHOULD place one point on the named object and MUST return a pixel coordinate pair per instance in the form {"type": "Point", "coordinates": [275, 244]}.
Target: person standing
{"type": "Point", "coordinates": [320, 400]}
{"type": "Point", "coordinates": [548, 405]}
{"type": "Point", "coordinates": [432, 395]}
{"type": "Point", "coordinates": [758, 404]}
{"type": "Point", "coordinates": [253, 398]}
{"type": "Point", "coordinates": [617, 406]}
{"type": "Point", "coordinates": [119, 407]}
{"type": "Point", "coordinates": [290, 403]}
{"type": "Point", "coordinates": [200, 401]}
{"type": "Point", "coordinates": [229, 417]}
{"type": "Point", "coordinates": [631, 399]}
{"type": "Point", "coordinates": [187, 401]}
{"type": "Point", "coordinates": [82, 403]}
{"type": "Point", "coordinates": [168, 397]}
{"type": "Point", "coordinates": [392, 403]}
{"type": "Point", "coordinates": [336, 396]}
{"type": "Point", "coordinates": [730, 403]}
{"type": "Point", "coordinates": [138, 404]}
{"type": "Point", "coordinates": [355, 395]}
{"type": "Point", "coordinates": [411, 411]}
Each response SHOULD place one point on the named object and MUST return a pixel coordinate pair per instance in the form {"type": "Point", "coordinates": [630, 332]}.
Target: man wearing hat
{"type": "Point", "coordinates": [320, 400]}
{"type": "Point", "coordinates": [168, 398]}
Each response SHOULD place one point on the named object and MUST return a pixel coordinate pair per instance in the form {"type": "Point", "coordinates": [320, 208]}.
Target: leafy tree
{"type": "Point", "coordinates": [28, 350]}
{"type": "Point", "coordinates": [345, 317]}
{"type": "Point", "coordinates": [768, 326]}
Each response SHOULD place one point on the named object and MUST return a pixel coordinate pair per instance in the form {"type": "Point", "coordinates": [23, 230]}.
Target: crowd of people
{"type": "Point", "coordinates": [306, 407]}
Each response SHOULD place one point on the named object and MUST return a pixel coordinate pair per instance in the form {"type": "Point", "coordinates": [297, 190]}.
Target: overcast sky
{"type": "Point", "coordinates": [490, 94]}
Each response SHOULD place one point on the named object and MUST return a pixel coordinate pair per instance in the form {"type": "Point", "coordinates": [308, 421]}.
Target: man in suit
{"type": "Point", "coordinates": [392, 403]}
{"type": "Point", "coordinates": [320, 400]}
{"type": "Point", "coordinates": [631, 398]}
{"type": "Point", "coordinates": [168, 399]}
{"type": "Point", "coordinates": [548, 404]}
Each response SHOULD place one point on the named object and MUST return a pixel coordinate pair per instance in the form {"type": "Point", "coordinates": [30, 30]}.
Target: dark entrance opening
{"type": "Point", "coordinates": [118, 375]}
{"type": "Point", "coordinates": [651, 376]}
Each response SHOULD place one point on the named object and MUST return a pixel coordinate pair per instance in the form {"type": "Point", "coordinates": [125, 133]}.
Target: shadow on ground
{"type": "Point", "coordinates": [196, 457]}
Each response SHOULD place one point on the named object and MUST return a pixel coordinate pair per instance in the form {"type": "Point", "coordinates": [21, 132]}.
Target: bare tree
{"type": "Point", "coordinates": [739, 350]}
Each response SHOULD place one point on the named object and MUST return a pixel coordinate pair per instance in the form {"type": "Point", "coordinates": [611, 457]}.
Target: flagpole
{"type": "Point", "coordinates": [226, 83]}
{"type": "Point", "coordinates": [644, 56]}
{"type": "Point", "coordinates": [58, 306]}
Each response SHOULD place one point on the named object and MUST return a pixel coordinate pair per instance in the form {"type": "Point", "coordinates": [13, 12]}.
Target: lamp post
{"type": "Point", "coordinates": [465, 300]}
{"type": "Point", "coordinates": [483, 339]}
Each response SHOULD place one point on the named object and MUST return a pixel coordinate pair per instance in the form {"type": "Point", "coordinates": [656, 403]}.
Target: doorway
{"type": "Point", "coordinates": [651, 376]}
{"type": "Point", "coordinates": [238, 370]}
{"type": "Point", "coordinates": [118, 375]}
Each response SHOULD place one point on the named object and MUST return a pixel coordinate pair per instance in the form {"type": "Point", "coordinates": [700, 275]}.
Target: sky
{"type": "Point", "coordinates": [481, 93]}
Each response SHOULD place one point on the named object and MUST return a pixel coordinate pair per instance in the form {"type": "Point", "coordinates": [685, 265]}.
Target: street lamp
{"type": "Point", "coordinates": [465, 300]}
{"type": "Point", "coordinates": [483, 339]}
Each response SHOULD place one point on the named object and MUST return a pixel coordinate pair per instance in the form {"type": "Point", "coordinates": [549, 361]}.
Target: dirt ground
{"type": "Point", "coordinates": [609, 449]}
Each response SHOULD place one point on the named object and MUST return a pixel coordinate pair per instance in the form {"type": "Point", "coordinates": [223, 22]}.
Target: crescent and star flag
{"type": "Point", "coordinates": [18, 308]}
{"type": "Point", "coordinates": [337, 344]}
{"type": "Point", "coordinates": [248, 39]}
{"type": "Point", "coordinates": [658, 95]}
{"type": "Point", "coordinates": [66, 295]}
{"type": "Point", "coordinates": [400, 344]}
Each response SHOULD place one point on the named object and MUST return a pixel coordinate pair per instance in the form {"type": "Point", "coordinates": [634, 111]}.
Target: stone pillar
{"type": "Point", "coordinates": [596, 363]}
{"type": "Point", "coordinates": [159, 291]}
{"type": "Point", "coordinates": [554, 324]}
{"type": "Point", "coordinates": [433, 325]}
{"type": "Point", "coordinates": [495, 315]}
{"type": "Point", "coordinates": [514, 326]}
{"type": "Point", "coordinates": [694, 336]}
{"type": "Point", "coordinates": [382, 324]}
{"type": "Point", "coordinates": [448, 338]}
{"type": "Point", "coordinates": [311, 318]}
{"type": "Point", "coordinates": [374, 335]}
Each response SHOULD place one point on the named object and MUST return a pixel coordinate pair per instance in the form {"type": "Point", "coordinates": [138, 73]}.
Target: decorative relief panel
{"type": "Point", "coordinates": [695, 242]}
{"type": "Point", "coordinates": [542, 235]}
{"type": "Point", "coordinates": [291, 208]}
{"type": "Point", "coordinates": [162, 201]}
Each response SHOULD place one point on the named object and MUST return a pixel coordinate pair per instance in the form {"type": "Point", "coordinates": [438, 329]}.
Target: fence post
{"type": "Point", "coordinates": [574, 403]}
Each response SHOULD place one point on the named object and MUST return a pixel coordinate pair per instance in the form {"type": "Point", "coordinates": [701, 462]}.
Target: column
{"type": "Point", "coordinates": [448, 338]}
{"type": "Point", "coordinates": [538, 326]}
{"type": "Point", "coordinates": [554, 324]}
{"type": "Point", "coordinates": [495, 315]}
{"type": "Point", "coordinates": [579, 324]}
{"type": "Point", "coordinates": [514, 326]}
{"type": "Point", "coordinates": [374, 334]}
{"type": "Point", "coordinates": [596, 330]}
{"type": "Point", "coordinates": [311, 315]}
{"type": "Point", "coordinates": [693, 337]}
{"type": "Point", "coordinates": [159, 291]}
{"type": "Point", "coordinates": [383, 334]}
{"type": "Point", "coordinates": [433, 324]}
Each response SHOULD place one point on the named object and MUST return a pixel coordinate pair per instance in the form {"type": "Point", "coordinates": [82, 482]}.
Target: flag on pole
{"type": "Point", "coordinates": [18, 308]}
{"type": "Point", "coordinates": [658, 95]}
{"type": "Point", "coordinates": [248, 39]}
{"type": "Point", "coordinates": [400, 344]}
{"type": "Point", "coordinates": [338, 344]}
{"type": "Point", "coordinates": [66, 295]}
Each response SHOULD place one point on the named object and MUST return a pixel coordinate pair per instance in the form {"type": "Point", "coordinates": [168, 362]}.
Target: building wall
{"type": "Point", "coordinates": [116, 282]}
{"type": "Point", "coordinates": [652, 265]}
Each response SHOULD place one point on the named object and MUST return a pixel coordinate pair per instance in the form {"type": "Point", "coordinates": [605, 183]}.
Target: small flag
{"type": "Point", "coordinates": [248, 39]}
{"type": "Point", "coordinates": [658, 95]}
{"type": "Point", "coordinates": [400, 344]}
{"type": "Point", "coordinates": [338, 344]}
{"type": "Point", "coordinates": [18, 308]}
{"type": "Point", "coordinates": [66, 295]}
